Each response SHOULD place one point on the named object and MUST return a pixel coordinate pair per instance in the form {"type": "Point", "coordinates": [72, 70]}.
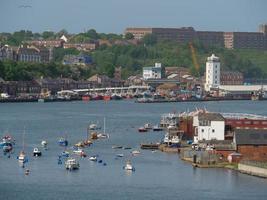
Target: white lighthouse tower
{"type": "Point", "coordinates": [212, 72]}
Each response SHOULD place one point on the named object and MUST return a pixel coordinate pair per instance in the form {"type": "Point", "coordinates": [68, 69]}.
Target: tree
{"type": "Point", "coordinates": [129, 36]}
{"type": "Point", "coordinates": [92, 34]}
{"type": "Point", "coordinates": [48, 34]}
{"type": "Point", "coordinates": [149, 39]}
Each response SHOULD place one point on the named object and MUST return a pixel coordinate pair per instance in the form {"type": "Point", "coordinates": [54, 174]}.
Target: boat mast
{"type": "Point", "coordinates": [23, 143]}
{"type": "Point", "coordinates": [104, 125]}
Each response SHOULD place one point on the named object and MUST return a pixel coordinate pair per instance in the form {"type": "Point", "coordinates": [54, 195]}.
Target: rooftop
{"type": "Point", "coordinates": [210, 116]}
{"type": "Point", "coordinates": [251, 136]}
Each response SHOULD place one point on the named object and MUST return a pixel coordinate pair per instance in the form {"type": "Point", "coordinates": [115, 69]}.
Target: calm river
{"type": "Point", "coordinates": [158, 175]}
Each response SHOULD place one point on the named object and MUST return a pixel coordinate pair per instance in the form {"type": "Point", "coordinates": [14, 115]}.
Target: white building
{"type": "Point", "coordinates": [212, 72]}
{"type": "Point", "coordinates": [208, 126]}
{"type": "Point", "coordinates": [154, 72]}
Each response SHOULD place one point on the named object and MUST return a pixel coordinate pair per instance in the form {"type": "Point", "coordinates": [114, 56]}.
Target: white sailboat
{"type": "Point", "coordinates": [103, 135]}
{"type": "Point", "coordinates": [22, 154]}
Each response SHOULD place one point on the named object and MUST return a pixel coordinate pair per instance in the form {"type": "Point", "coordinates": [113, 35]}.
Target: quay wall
{"type": "Point", "coordinates": [252, 170]}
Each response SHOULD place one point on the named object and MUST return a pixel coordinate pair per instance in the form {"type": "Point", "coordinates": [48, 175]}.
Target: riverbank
{"type": "Point", "coordinates": [258, 169]}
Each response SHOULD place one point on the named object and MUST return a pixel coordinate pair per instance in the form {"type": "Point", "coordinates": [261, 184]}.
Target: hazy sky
{"type": "Point", "coordinates": [115, 15]}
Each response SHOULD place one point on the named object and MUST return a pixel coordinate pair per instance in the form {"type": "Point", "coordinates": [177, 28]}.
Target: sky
{"type": "Point", "coordinates": [113, 16]}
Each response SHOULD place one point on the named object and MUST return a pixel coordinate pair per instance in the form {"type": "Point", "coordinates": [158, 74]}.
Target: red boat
{"type": "Point", "coordinates": [106, 97]}
{"type": "Point", "coordinates": [142, 129]}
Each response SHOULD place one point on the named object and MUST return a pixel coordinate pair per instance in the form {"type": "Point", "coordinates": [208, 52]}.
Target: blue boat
{"type": "Point", "coordinates": [63, 142]}
{"type": "Point", "coordinates": [65, 154]}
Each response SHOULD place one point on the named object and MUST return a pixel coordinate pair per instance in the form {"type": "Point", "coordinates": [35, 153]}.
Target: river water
{"type": "Point", "coordinates": [158, 175]}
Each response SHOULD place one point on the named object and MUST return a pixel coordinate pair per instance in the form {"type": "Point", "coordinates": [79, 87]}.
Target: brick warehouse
{"type": "Point", "coordinates": [251, 143]}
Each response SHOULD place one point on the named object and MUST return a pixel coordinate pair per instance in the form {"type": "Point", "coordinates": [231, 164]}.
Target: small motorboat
{"type": "Point", "coordinates": [94, 136]}
{"type": "Point", "coordinates": [94, 127]}
{"type": "Point", "coordinates": [44, 143]}
{"type": "Point", "coordinates": [7, 147]}
{"type": "Point", "coordinates": [129, 166]}
{"type": "Point", "coordinates": [135, 152]}
{"type": "Point", "coordinates": [72, 164]}
{"type": "Point", "coordinates": [116, 147]}
{"type": "Point", "coordinates": [93, 158]}
{"type": "Point", "coordinates": [65, 154]}
{"type": "Point", "coordinates": [142, 129]}
{"type": "Point", "coordinates": [37, 152]}
{"type": "Point", "coordinates": [87, 142]}
{"type": "Point", "coordinates": [127, 148]}
{"type": "Point", "coordinates": [63, 142]}
{"type": "Point", "coordinates": [102, 136]}
{"type": "Point", "coordinates": [78, 151]}
{"type": "Point", "coordinates": [79, 144]}
{"type": "Point", "coordinates": [120, 155]}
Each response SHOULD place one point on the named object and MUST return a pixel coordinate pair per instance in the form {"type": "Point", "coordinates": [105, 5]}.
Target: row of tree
{"type": "Point", "coordinates": [18, 37]}
{"type": "Point", "coordinates": [253, 63]}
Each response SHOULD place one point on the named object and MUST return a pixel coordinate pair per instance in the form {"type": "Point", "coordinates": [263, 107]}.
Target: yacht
{"type": "Point", "coordinates": [72, 164]}
{"type": "Point", "coordinates": [36, 152]}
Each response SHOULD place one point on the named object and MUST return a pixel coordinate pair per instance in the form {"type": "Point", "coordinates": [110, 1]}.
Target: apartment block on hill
{"type": "Point", "coordinates": [230, 40]}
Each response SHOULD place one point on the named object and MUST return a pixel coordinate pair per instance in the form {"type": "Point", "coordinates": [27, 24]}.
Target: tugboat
{"type": "Point", "coordinates": [36, 152]}
{"type": "Point", "coordinates": [129, 166]}
{"type": "Point", "coordinates": [72, 164]}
